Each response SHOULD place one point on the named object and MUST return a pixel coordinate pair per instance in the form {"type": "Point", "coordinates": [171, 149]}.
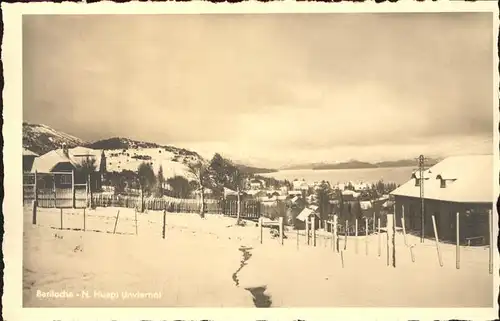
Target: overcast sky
{"type": "Point", "coordinates": [267, 89]}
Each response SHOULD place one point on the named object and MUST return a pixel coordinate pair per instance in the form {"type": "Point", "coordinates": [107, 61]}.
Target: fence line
{"type": "Point", "coordinates": [63, 198]}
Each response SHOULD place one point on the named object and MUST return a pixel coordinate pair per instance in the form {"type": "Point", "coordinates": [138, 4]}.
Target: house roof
{"type": "Point", "coordinates": [365, 205]}
{"type": "Point", "coordinates": [46, 162]}
{"type": "Point", "coordinates": [27, 152]}
{"type": "Point", "coordinates": [300, 184]}
{"type": "Point", "coordinates": [473, 180]}
{"type": "Point", "coordinates": [79, 154]}
{"type": "Point", "coordinates": [306, 212]}
{"type": "Point", "coordinates": [228, 192]}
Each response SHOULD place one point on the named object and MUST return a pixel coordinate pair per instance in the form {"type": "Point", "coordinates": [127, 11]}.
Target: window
{"type": "Point", "coordinates": [65, 179]}
{"type": "Point", "coordinates": [443, 183]}
{"type": "Point", "coordinates": [417, 181]}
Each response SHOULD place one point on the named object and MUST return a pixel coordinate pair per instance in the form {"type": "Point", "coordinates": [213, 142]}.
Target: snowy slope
{"type": "Point", "coordinates": [173, 164]}
{"type": "Point", "coordinates": [42, 139]}
{"type": "Point", "coordinates": [121, 153]}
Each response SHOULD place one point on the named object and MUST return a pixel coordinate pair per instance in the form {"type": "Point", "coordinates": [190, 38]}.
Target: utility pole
{"type": "Point", "coordinates": [421, 168]}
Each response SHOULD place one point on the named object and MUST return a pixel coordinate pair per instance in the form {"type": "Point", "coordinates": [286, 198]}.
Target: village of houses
{"type": "Point", "coordinates": [343, 237]}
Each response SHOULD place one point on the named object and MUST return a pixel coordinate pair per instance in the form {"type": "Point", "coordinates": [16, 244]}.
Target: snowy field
{"type": "Point", "coordinates": [213, 263]}
{"type": "Point", "coordinates": [172, 163]}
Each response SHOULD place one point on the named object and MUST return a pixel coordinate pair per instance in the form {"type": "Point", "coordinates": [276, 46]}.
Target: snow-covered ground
{"type": "Point", "coordinates": [172, 164]}
{"type": "Point", "coordinates": [211, 263]}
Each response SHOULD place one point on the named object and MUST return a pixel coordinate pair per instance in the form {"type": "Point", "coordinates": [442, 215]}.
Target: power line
{"type": "Point", "coordinates": [421, 168]}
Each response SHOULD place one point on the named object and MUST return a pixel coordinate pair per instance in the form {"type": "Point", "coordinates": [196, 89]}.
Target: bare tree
{"type": "Point", "coordinates": [201, 172]}
{"type": "Point", "coordinates": [181, 187]}
{"type": "Point", "coordinates": [237, 181]}
{"type": "Point", "coordinates": [88, 167]}
{"type": "Point", "coordinates": [160, 181]}
{"type": "Point", "coordinates": [147, 181]}
{"type": "Point", "coordinates": [226, 174]}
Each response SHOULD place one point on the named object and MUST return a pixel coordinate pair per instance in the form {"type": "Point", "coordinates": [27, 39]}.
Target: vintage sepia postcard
{"type": "Point", "coordinates": [196, 161]}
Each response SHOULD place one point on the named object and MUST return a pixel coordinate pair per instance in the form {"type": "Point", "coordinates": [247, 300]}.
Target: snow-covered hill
{"type": "Point", "coordinates": [172, 163]}
{"type": "Point", "coordinates": [42, 139]}
{"type": "Point", "coordinates": [127, 154]}
{"type": "Point", "coordinates": [121, 153]}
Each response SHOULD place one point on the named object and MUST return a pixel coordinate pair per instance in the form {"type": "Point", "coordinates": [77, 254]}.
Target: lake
{"type": "Point", "coordinates": [398, 175]}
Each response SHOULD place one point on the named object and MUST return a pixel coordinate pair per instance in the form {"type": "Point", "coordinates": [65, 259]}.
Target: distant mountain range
{"type": "Point", "coordinates": [355, 164]}
{"type": "Point", "coordinates": [125, 151]}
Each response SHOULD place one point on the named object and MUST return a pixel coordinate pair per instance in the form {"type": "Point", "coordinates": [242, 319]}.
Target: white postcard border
{"type": "Point", "coordinates": [12, 247]}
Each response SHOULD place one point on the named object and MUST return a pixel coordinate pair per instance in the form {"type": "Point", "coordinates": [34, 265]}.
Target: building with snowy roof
{"type": "Point", "coordinates": [300, 185]}
{"type": "Point", "coordinates": [28, 159]}
{"type": "Point", "coordinates": [462, 184]}
{"type": "Point", "coordinates": [69, 160]}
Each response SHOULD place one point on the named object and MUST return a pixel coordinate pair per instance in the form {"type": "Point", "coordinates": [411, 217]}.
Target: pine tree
{"type": "Point", "coordinates": [160, 181]}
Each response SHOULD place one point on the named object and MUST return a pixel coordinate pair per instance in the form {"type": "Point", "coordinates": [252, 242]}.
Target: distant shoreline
{"type": "Point", "coordinates": [344, 168]}
{"type": "Point", "coordinates": [336, 168]}
{"type": "Point", "coordinates": [398, 175]}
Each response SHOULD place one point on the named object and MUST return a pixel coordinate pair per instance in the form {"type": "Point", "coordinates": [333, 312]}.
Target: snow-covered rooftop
{"type": "Point", "coordinates": [473, 180]}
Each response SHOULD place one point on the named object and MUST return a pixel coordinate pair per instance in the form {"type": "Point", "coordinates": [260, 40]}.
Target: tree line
{"type": "Point", "coordinates": [216, 174]}
{"type": "Point", "coordinates": [349, 208]}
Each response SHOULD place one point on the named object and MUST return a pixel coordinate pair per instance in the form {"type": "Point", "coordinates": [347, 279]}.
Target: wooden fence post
{"type": "Point", "coordinates": [366, 235]}
{"type": "Point", "coordinates": [436, 236]}
{"type": "Point", "coordinates": [34, 213]}
{"type": "Point", "coordinates": [490, 214]}
{"type": "Point", "coordinates": [330, 222]}
{"type": "Point", "coordinates": [89, 182]}
{"type": "Point", "coordinates": [379, 238]}
{"type": "Point", "coordinates": [391, 246]}
{"type": "Point", "coordinates": [393, 241]}
{"type": "Point", "coordinates": [313, 226]}
{"type": "Point", "coordinates": [457, 253]}
{"type": "Point", "coordinates": [346, 233]}
{"type": "Point", "coordinates": [373, 223]}
{"type": "Point", "coordinates": [84, 220]}
{"type": "Point", "coordinates": [54, 187]}
{"type": "Point", "coordinates": [335, 236]}
{"type": "Point", "coordinates": [281, 227]}
{"type": "Point", "coordinates": [116, 221]}
{"type": "Point", "coordinates": [73, 196]}
{"type": "Point", "coordinates": [261, 228]}
{"type": "Point", "coordinates": [61, 218]}
{"type": "Point", "coordinates": [356, 241]}
{"type": "Point", "coordinates": [142, 201]}
{"type": "Point", "coordinates": [35, 186]}
{"type": "Point", "coordinates": [402, 212]}
{"type": "Point", "coordinates": [342, 258]}
{"type": "Point", "coordinates": [164, 228]}
{"type": "Point", "coordinates": [86, 193]}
